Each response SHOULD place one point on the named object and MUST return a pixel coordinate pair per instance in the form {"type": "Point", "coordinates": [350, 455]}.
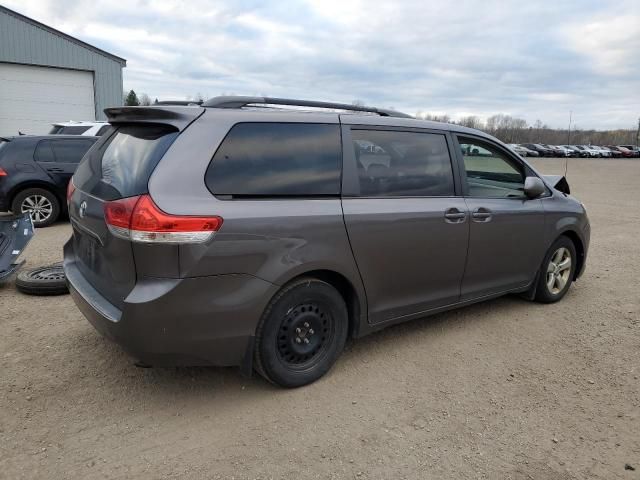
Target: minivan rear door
{"type": "Point", "coordinates": [407, 228]}
{"type": "Point", "coordinates": [118, 167]}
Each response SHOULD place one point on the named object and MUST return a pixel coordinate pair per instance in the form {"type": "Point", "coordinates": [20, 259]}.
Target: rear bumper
{"type": "Point", "coordinates": [177, 322]}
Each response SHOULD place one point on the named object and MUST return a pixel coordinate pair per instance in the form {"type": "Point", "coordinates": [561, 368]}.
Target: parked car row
{"type": "Point", "coordinates": [585, 151]}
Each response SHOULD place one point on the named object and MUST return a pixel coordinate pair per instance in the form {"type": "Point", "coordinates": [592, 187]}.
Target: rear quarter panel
{"type": "Point", "coordinates": [272, 239]}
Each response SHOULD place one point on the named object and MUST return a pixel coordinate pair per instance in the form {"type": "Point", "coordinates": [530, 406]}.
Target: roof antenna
{"type": "Point", "coordinates": [566, 159]}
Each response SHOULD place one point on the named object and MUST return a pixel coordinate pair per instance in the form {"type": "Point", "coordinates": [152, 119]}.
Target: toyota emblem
{"type": "Point", "coordinates": [83, 209]}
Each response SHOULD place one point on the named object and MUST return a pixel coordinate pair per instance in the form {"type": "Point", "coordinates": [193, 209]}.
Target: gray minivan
{"type": "Point", "coordinates": [242, 232]}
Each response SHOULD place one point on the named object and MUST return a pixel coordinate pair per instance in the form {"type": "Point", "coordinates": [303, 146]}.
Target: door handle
{"type": "Point", "coordinates": [453, 215]}
{"type": "Point", "coordinates": [481, 215]}
{"type": "Point", "coordinates": [55, 170]}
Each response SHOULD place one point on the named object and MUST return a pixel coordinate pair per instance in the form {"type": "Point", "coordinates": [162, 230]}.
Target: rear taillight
{"type": "Point", "coordinates": [140, 220]}
{"type": "Point", "coordinates": [70, 189]}
{"type": "Point", "coordinates": [2, 173]}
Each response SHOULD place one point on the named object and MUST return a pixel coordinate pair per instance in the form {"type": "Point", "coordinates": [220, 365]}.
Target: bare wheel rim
{"type": "Point", "coordinates": [305, 335]}
{"type": "Point", "coordinates": [558, 270]}
{"type": "Point", "coordinates": [38, 207]}
{"type": "Point", "coordinates": [50, 272]}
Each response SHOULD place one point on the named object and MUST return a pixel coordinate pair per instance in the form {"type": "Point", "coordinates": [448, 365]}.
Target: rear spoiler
{"type": "Point", "coordinates": [559, 182]}
{"type": "Point", "coordinates": [178, 117]}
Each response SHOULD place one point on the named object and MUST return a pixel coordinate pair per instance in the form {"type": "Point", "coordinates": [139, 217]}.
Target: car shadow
{"type": "Point", "coordinates": [182, 380]}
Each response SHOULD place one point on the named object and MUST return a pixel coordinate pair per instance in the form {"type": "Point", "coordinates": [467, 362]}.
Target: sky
{"type": "Point", "coordinates": [529, 59]}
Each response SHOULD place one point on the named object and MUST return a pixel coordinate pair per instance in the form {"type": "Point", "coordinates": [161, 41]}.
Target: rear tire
{"type": "Point", "coordinates": [41, 204]}
{"type": "Point", "coordinates": [301, 334]}
{"type": "Point", "coordinates": [47, 280]}
{"type": "Point", "coordinates": [557, 271]}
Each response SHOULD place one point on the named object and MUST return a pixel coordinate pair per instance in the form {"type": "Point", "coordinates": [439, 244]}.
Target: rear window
{"type": "Point", "coordinates": [72, 130]}
{"type": "Point", "coordinates": [122, 162]}
{"type": "Point", "coordinates": [277, 159]}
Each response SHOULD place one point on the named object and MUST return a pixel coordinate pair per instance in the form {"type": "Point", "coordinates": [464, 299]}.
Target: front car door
{"type": "Point", "coordinates": [506, 239]}
{"type": "Point", "coordinates": [407, 227]}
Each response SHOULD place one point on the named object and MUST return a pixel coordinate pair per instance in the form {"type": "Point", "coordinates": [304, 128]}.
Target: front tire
{"type": "Point", "coordinates": [301, 334]}
{"type": "Point", "coordinates": [557, 271]}
{"type": "Point", "coordinates": [42, 205]}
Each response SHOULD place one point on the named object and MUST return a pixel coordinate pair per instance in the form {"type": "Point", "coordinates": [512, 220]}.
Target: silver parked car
{"type": "Point", "coordinates": [226, 234]}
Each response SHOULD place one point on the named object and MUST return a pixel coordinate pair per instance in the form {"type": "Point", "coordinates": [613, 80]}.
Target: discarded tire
{"type": "Point", "coordinates": [47, 280]}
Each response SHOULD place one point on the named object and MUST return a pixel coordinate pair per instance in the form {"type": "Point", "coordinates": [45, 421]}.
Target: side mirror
{"type": "Point", "coordinates": [533, 187]}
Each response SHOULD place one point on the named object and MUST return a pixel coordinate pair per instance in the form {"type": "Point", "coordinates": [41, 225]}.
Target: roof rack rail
{"type": "Point", "coordinates": [185, 103]}
{"type": "Point", "coordinates": [241, 101]}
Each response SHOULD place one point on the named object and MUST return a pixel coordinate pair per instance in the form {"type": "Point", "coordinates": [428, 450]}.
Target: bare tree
{"type": "Point", "coordinates": [471, 121]}
{"type": "Point", "coordinates": [144, 99]}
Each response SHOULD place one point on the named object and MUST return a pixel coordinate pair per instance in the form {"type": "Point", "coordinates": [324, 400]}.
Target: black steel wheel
{"type": "Point", "coordinates": [301, 334]}
{"type": "Point", "coordinates": [304, 334]}
{"type": "Point", "coordinates": [46, 280]}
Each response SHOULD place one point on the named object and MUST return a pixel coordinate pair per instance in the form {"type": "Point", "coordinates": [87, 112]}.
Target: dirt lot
{"type": "Point", "coordinates": [505, 389]}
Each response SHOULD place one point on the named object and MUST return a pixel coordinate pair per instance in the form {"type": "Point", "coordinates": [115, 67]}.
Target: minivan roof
{"type": "Point", "coordinates": [180, 115]}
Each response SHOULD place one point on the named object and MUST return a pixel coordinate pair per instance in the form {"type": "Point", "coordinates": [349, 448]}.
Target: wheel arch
{"type": "Point", "coordinates": [50, 187]}
{"type": "Point", "coordinates": [579, 245]}
{"type": "Point", "coordinates": [346, 289]}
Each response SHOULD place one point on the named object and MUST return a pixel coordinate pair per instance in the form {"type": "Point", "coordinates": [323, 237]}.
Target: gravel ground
{"type": "Point", "coordinates": [504, 389]}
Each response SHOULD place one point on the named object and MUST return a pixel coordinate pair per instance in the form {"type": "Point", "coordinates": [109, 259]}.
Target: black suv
{"type": "Point", "coordinates": [542, 150]}
{"type": "Point", "coordinates": [35, 172]}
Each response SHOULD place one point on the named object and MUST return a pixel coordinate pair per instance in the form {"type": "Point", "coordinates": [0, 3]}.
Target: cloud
{"type": "Point", "coordinates": [535, 60]}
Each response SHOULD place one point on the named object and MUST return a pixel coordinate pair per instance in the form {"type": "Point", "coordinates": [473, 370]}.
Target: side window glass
{"type": "Point", "coordinates": [490, 173]}
{"type": "Point", "coordinates": [43, 152]}
{"type": "Point", "coordinates": [402, 164]}
{"type": "Point", "coordinates": [277, 159]}
{"type": "Point", "coordinates": [70, 151]}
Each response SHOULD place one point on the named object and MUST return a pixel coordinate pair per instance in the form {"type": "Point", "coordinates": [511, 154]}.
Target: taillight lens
{"type": "Point", "coordinates": [70, 189]}
{"type": "Point", "coordinates": [139, 219]}
{"type": "Point", "coordinates": [2, 173]}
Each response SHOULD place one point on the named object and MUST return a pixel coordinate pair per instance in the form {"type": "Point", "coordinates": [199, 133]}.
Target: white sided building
{"type": "Point", "coordinates": [48, 77]}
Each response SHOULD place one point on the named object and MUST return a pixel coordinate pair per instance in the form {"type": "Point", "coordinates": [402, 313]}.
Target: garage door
{"type": "Point", "coordinates": [32, 98]}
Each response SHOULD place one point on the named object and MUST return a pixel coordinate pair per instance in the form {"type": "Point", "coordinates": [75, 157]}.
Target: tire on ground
{"type": "Point", "coordinates": [18, 200]}
{"type": "Point", "coordinates": [543, 292]}
{"type": "Point", "coordinates": [301, 333]}
{"type": "Point", "coordinates": [47, 280]}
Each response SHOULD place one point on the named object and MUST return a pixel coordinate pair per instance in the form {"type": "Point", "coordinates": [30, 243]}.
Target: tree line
{"type": "Point", "coordinates": [132, 99]}
{"type": "Point", "coordinates": [516, 130]}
